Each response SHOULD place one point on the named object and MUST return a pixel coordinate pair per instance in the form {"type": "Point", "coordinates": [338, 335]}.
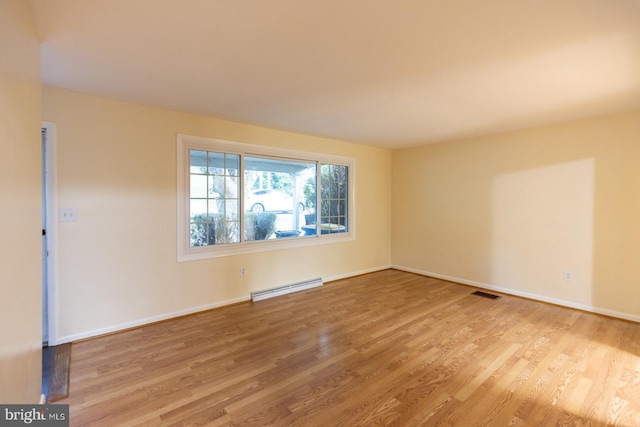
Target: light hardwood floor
{"type": "Point", "coordinates": [388, 348]}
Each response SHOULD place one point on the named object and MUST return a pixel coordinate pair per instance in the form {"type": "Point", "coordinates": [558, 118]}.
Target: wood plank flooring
{"type": "Point", "coordinates": [389, 348]}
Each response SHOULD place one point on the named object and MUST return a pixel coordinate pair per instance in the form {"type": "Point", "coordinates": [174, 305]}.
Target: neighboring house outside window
{"type": "Point", "coordinates": [240, 198]}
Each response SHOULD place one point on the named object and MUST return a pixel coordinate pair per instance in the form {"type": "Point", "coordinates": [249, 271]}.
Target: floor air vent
{"type": "Point", "coordinates": [285, 289]}
{"type": "Point", "coordinates": [485, 295]}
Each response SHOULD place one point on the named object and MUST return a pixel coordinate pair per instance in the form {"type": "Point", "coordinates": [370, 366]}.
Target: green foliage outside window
{"type": "Point", "coordinates": [259, 225]}
{"type": "Point", "coordinates": [333, 191]}
{"type": "Point", "coordinates": [212, 229]}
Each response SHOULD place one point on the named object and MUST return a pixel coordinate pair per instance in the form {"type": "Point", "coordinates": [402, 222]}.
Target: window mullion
{"type": "Point", "coordinates": [241, 197]}
{"type": "Point", "coordinates": [318, 197]}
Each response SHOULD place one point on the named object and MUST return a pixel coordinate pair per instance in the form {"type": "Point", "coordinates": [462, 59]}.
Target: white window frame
{"type": "Point", "coordinates": [185, 143]}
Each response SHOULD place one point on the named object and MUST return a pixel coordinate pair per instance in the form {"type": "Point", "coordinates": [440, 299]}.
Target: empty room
{"type": "Point", "coordinates": [321, 213]}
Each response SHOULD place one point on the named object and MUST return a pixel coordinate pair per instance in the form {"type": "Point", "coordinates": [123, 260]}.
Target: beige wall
{"type": "Point", "coordinates": [20, 216]}
{"type": "Point", "coordinates": [116, 164]}
{"type": "Point", "coordinates": [514, 211]}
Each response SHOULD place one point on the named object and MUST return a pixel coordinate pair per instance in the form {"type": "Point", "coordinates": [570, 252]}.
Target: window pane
{"type": "Point", "coordinates": [198, 186]}
{"type": "Point", "coordinates": [278, 195]}
{"type": "Point", "coordinates": [227, 232]}
{"type": "Point", "coordinates": [213, 206]}
{"type": "Point", "coordinates": [202, 233]}
{"type": "Point", "coordinates": [198, 207]}
{"type": "Point", "coordinates": [232, 206]}
{"type": "Point", "coordinates": [215, 163]}
{"type": "Point", "coordinates": [233, 165]}
{"type": "Point", "coordinates": [211, 188]}
{"type": "Point", "coordinates": [230, 188]}
{"type": "Point", "coordinates": [342, 191]}
{"type": "Point", "coordinates": [198, 161]}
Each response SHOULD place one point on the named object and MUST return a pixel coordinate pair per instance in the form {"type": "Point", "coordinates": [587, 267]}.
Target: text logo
{"type": "Point", "coordinates": [34, 415]}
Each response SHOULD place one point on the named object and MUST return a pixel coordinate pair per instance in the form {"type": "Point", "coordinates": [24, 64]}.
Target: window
{"type": "Point", "coordinates": [214, 188]}
{"type": "Point", "coordinates": [335, 183]}
{"type": "Point", "coordinates": [238, 198]}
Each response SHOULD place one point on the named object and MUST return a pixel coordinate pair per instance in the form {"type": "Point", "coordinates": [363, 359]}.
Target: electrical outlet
{"type": "Point", "coordinates": [568, 275]}
{"type": "Point", "coordinates": [242, 271]}
{"type": "Point", "coordinates": [67, 215]}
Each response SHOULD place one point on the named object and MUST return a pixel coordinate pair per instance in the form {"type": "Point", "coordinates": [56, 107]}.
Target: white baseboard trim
{"type": "Point", "coordinates": [148, 320]}
{"type": "Point", "coordinates": [537, 297]}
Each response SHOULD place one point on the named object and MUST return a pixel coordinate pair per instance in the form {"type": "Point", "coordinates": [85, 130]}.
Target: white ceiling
{"type": "Point", "coordinates": [388, 73]}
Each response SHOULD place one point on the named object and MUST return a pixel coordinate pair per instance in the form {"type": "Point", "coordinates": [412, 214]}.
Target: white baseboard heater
{"type": "Point", "coordinates": [285, 289]}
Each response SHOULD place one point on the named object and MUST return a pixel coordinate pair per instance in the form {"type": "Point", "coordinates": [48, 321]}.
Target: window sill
{"type": "Point", "coordinates": [207, 252]}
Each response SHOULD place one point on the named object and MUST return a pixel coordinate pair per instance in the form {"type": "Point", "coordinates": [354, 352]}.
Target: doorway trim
{"type": "Point", "coordinates": [51, 216]}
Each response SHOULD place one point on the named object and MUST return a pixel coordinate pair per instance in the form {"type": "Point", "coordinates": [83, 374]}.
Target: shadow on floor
{"type": "Point", "coordinates": [55, 371]}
